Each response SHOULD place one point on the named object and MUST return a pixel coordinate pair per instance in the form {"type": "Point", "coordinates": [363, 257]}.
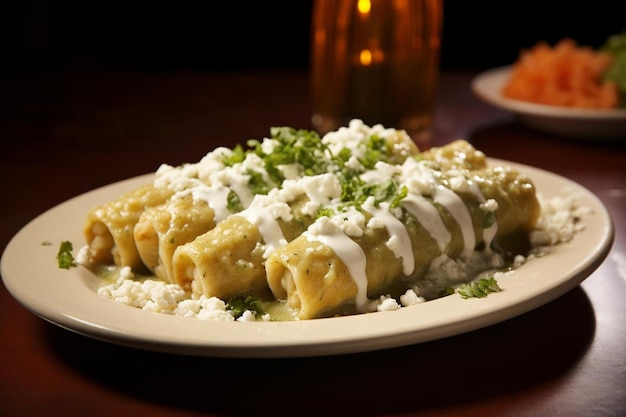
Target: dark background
{"type": "Point", "coordinates": [40, 35]}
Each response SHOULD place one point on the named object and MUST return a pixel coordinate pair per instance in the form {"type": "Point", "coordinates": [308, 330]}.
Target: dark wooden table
{"type": "Point", "coordinates": [65, 134]}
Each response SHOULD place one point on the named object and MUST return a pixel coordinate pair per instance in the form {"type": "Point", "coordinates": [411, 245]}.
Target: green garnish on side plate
{"type": "Point", "coordinates": [616, 46]}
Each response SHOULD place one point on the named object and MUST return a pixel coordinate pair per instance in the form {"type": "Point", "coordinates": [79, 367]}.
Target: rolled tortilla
{"type": "Point", "coordinates": [109, 228]}
{"type": "Point", "coordinates": [229, 260]}
{"type": "Point", "coordinates": [318, 278]}
{"type": "Point", "coordinates": [161, 229]}
{"type": "Point", "coordinates": [325, 273]}
{"type": "Point", "coordinates": [458, 154]}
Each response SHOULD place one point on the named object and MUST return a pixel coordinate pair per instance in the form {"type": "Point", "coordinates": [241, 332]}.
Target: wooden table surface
{"type": "Point", "coordinates": [65, 134]}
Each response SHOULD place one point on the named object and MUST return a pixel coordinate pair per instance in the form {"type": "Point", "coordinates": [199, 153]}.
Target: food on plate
{"type": "Point", "coordinates": [563, 75]}
{"type": "Point", "coordinates": [298, 226]}
{"type": "Point", "coordinates": [238, 246]}
{"type": "Point", "coordinates": [346, 260]}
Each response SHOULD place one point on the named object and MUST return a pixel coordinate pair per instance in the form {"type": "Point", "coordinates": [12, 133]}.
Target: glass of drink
{"type": "Point", "coordinates": [378, 61]}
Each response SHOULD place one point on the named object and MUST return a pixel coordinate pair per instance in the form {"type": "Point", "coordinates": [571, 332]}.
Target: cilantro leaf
{"type": "Point", "coordinates": [239, 304]}
{"type": "Point", "coordinates": [479, 289]}
{"type": "Point", "coordinates": [65, 258]}
{"type": "Point", "coordinates": [238, 155]}
{"type": "Point", "coordinates": [233, 202]}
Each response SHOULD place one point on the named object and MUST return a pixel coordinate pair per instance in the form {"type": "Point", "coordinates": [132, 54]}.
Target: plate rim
{"type": "Point", "coordinates": [267, 339]}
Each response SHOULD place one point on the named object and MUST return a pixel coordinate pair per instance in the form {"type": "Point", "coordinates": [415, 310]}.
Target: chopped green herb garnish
{"type": "Point", "coordinates": [385, 192]}
{"type": "Point", "coordinates": [344, 155]}
{"type": "Point", "coordinates": [615, 45]}
{"type": "Point", "coordinates": [305, 148]}
{"type": "Point", "coordinates": [479, 289]}
{"type": "Point", "coordinates": [236, 157]}
{"type": "Point", "coordinates": [352, 189]}
{"type": "Point", "coordinates": [325, 211]}
{"type": "Point", "coordinates": [65, 258]}
{"type": "Point", "coordinates": [233, 203]}
{"type": "Point", "coordinates": [239, 304]}
{"type": "Point", "coordinates": [376, 151]}
{"type": "Point", "coordinates": [401, 195]}
{"type": "Point", "coordinates": [355, 191]}
{"type": "Point", "coordinates": [257, 183]}
{"type": "Point", "coordinates": [295, 146]}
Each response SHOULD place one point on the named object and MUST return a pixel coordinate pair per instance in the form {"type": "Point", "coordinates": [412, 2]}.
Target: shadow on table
{"type": "Point", "coordinates": [489, 365]}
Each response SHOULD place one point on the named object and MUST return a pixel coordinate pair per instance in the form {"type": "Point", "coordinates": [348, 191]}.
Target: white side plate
{"type": "Point", "coordinates": [589, 124]}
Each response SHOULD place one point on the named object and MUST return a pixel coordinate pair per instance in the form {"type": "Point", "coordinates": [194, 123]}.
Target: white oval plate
{"type": "Point", "coordinates": [68, 298]}
{"type": "Point", "coordinates": [598, 124]}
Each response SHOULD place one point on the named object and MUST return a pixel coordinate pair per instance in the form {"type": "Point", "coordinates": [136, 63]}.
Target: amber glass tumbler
{"type": "Point", "coordinates": [378, 61]}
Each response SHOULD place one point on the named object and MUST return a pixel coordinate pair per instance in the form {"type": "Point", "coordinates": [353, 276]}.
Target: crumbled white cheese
{"type": "Point", "coordinates": [204, 308]}
{"type": "Point", "coordinates": [321, 188]}
{"type": "Point", "coordinates": [559, 220]}
{"type": "Point", "coordinates": [459, 184]}
{"type": "Point", "coordinates": [418, 177]}
{"type": "Point", "coordinates": [251, 316]}
{"type": "Point", "coordinates": [410, 297]}
{"type": "Point", "coordinates": [268, 145]}
{"type": "Point", "coordinates": [82, 256]}
{"type": "Point", "coordinates": [351, 222]}
{"type": "Point", "coordinates": [489, 206]}
{"type": "Point", "coordinates": [394, 244]}
{"type": "Point", "coordinates": [291, 171]}
{"type": "Point", "coordinates": [149, 294]}
{"type": "Point", "coordinates": [387, 304]}
{"type": "Point", "coordinates": [381, 173]}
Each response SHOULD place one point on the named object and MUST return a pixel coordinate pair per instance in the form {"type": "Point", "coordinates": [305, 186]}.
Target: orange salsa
{"type": "Point", "coordinates": [564, 75]}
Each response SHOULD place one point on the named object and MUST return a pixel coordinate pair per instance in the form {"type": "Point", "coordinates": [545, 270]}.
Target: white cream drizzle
{"type": "Point", "coordinates": [491, 205]}
{"type": "Point", "coordinates": [459, 211]}
{"type": "Point", "coordinates": [399, 240]}
{"type": "Point", "coordinates": [260, 214]}
{"type": "Point", "coordinates": [489, 233]}
{"type": "Point", "coordinates": [243, 192]}
{"type": "Point", "coordinates": [428, 216]}
{"type": "Point", "coordinates": [350, 253]}
{"type": "Point", "coordinates": [216, 198]}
